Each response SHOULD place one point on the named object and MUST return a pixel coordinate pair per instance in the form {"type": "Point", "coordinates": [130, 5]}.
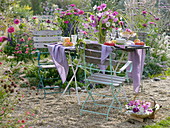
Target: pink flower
{"type": "Point", "coordinates": [121, 23]}
{"type": "Point", "coordinates": [19, 121]}
{"type": "Point", "coordinates": [34, 17]}
{"type": "Point", "coordinates": [16, 48]}
{"type": "Point", "coordinates": [63, 12]}
{"type": "Point", "coordinates": [29, 38]}
{"type": "Point", "coordinates": [69, 13]}
{"type": "Point", "coordinates": [144, 12]}
{"type": "Point", "coordinates": [115, 20]}
{"type": "Point", "coordinates": [33, 52]}
{"type": "Point", "coordinates": [75, 13]}
{"type": "Point", "coordinates": [11, 29]}
{"type": "Point", "coordinates": [103, 6]}
{"type": "Point", "coordinates": [27, 49]}
{"type": "Point", "coordinates": [157, 19]}
{"type": "Point", "coordinates": [48, 21]}
{"type": "Point", "coordinates": [17, 44]}
{"type": "Point", "coordinates": [0, 63]}
{"type": "Point", "coordinates": [151, 22]}
{"type": "Point", "coordinates": [22, 39]}
{"type": "Point", "coordinates": [72, 5]}
{"type": "Point", "coordinates": [27, 113]}
{"type": "Point", "coordinates": [99, 8]}
{"type": "Point", "coordinates": [115, 13]}
{"type": "Point", "coordinates": [3, 38]}
{"type": "Point", "coordinates": [26, 45]}
{"type": "Point", "coordinates": [144, 25]}
{"type": "Point", "coordinates": [92, 17]}
{"type": "Point", "coordinates": [16, 21]}
{"type": "Point", "coordinates": [66, 22]}
{"type": "Point", "coordinates": [23, 121]}
{"type": "Point", "coordinates": [1, 50]}
{"type": "Point", "coordinates": [128, 30]}
{"type": "Point", "coordinates": [80, 12]}
{"type": "Point", "coordinates": [26, 52]}
{"type": "Point", "coordinates": [33, 114]}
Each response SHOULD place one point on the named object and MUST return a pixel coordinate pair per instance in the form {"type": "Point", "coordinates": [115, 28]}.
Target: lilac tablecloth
{"type": "Point", "coordinates": [57, 53]}
{"type": "Point", "coordinates": [137, 57]}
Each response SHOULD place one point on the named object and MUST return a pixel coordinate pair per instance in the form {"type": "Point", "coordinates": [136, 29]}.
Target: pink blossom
{"type": "Point", "coordinates": [1, 50]}
{"type": "Point", "coordinates": [121, 23]}
{"type": "Point", "coordinates": [151, 22]}
{"type": "Point", "coordinates": [72, 5]}
{"type": "Point", "coordinates": [23, 121]}
{"type": "Point", "coordinates": [34, 48]}
{"type": "Point", "coordinates": [0, 63]}
{"type": "Point", "coordinates": [11, 29]}
{"type": "Point", "coordinates": [115, 20]}
{"type": "Point", "coordinates": [103, 6]}
{"type": "Point", "coordinates": [26, 45]}
{"type": "Point", "coordinates": [128, 30]}
{"type": "Point", "coordinates": [34, 17]}
{"type": "Point", "coordinates": [26, 52]}
{"type": "Point", "coordinates": [27, 113]}
{"type": "Point", "coordinates": [92, 17]}
{"type": "Point", "coordinates": [115, 13]}
{"type": "Point", "coordinates": [144, 25]}
{"type": "Point", "coordinates": [66, 22]}
{"type": "Point", "coordinates": [2, 112]}
{"type": "Point", "coordinates": [144, 12]}
{"type": "Point", "coordinates": [75, 13]}
{"type": "Point", "coordinates": [19, 52]}
{"type": "Point", "coordinates": [81, 12]}
{"type": "Point", "coordinates": [3, 38]}
{"type": "Point", "coordinates": [16, 48]}
{"type": "Point", "coordinates": [63, 12]}
{"type": "Point", "coordinates": [16, 21]}
{"type": "Point", "coordinates": [27, 49]}
{"type": "Point", "coordinates": [19, 121]}
{"type": "Point", "coordinates": [69, 13]}
{"type": "Point", "coordinates": [33, 114]}
{"type": "Point", "coordinates": [48, 21]}
{"type": "Point", "coordinates": [33, 52]}
{"type": "Point", "coordinates": [17, 44]}
{"type": "Point", "coordinates": [99, 8]}
{"type": "Point", "coordinates": [29, 38]}
{"type": "Point", "coordinates": [105, 20]}
{"type": "Point", "coordinates": [22, 39]}
{"type": "Point", "coordinates": [157, 18]}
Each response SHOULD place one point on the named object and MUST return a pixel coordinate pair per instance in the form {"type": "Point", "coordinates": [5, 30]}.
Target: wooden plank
{"type": "Point", "coordinates": [47, 32]}
{"type": "Point", "coordinates": [47, 39]}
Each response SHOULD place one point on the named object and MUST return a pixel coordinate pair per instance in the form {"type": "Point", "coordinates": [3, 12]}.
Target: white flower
{"type": "Point", "coordinates": [95, 6]}
{"type": "Point", "coordinates": [107, 24]}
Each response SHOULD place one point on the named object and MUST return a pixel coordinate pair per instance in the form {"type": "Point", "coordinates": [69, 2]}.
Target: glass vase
{"type": "Point", "coordinates": [102, 36]}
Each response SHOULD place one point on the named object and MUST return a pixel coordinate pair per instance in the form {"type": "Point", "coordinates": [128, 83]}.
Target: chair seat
{"type": "Point", "coordinates": [46, 66]}
{"type": "Point", "coordinates": [106, 79]}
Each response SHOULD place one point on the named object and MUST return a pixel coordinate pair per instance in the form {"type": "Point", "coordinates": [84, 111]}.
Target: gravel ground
{"type": "Point", "coordinates": [65, 112]}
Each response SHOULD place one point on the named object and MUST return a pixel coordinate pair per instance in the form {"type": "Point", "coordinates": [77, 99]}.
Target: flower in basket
{"type": "Point", "coordinates": [141, 109]}
{"type": "Point", "coordinates": [69, 20]}
{"type": "Point", "coordinates": [102, 21]}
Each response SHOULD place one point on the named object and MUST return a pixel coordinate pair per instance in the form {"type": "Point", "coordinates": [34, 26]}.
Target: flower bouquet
{"type": "Point", "coordinates": [142, 109]}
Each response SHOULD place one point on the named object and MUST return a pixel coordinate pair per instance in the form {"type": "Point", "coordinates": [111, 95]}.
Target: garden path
{"type": "Point", "coordinates": [64, 113]}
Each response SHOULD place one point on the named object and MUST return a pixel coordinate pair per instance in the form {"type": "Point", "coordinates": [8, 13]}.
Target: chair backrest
{"type": "Point", "coordinates": [43, 37]}
{"type": "Point", "coordinates": [93, 52]}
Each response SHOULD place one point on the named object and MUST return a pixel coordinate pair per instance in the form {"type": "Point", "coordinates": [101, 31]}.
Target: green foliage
{"type": "Point", "coordinates": [22, 11]}
{"type": "Point", "coordinates": [162, 124]}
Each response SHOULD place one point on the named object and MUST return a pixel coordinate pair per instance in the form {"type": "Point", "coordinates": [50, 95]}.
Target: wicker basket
{"type": "Point", "coordinates": [151, 115]}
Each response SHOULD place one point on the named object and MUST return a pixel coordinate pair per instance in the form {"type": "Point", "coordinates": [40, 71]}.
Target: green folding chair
{"type": "Point", "coordinates": [108, 98]}
{"type": "Point", "coordinates": [45, 63]}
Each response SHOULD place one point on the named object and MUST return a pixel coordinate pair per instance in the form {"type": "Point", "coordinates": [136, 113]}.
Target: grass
{"type": "Point", "coordinates": [162, 124]}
